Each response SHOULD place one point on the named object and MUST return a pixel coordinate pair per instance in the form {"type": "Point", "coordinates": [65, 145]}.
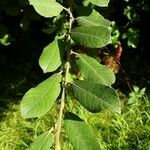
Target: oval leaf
{"type": "Point", "coordinates": [50, 58]}
{"type": "Point", "coordinates": [80, 134]}
{"type": "Point", "coordinates": [101, 3]}
{"type": "Point", "coordinates": [37, 101]}
{"type": "Point", "coordinates": [94, 19]}
{"type": "Point", "coordinates": [43, 142]}
{"type": "Point", "coordinates": [95, 97]}
{"type": "Point", "coordinates": [47, 8]}
{"type": "Point", "coordinates": [91, 36]}
{"type": "Point", "coordinates": [92, 70]}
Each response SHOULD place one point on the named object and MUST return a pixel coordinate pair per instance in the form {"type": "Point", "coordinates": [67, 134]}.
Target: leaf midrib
{"type": "Point", "coordinates": [93, 23]}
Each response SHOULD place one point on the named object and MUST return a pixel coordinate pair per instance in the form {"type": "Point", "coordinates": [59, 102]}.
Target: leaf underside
{"type": "Point", "coordinates": [38, 101]}
{"type": "Point", "coordinates": [92, 70]}
{"type": "Point", "coordinates": [47, 8]}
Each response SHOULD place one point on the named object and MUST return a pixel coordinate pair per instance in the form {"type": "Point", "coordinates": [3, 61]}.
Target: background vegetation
{"type": "Point", "coordinates": [23, 34]}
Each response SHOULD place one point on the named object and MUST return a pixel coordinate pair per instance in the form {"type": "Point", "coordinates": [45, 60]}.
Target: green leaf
{"type": "Point", "coordinates": [95, 97]}
{"type": "Point", "coordinates": [92, 70]}
{"type": "Point", "coordinates": [49, 30]}
{"type": "Point", "coordinates": [43, 142]}
{"type": "Point", "coordinates": [47, 8]}
{"type": "Point", "coordinates": [4, 35]}
{"type": "Point", "coordinates": [80, 134]}
{"type": "Point", "coordinates": [101, 3]}
{"type": "Point", "coordinates": [94, 19]}
{"type": "Point", "coordinates": [91, 36]}
{"type": "Point", "coordinates": [38, 101]}
{"type": "Point", "coordinates": [50, 58]}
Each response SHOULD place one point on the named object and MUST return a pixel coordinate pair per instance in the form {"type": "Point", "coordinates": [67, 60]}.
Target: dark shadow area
{"type": "Point", "coordinates": [135, 63]}
{"type": "Point", "coordinates": [19, 68]}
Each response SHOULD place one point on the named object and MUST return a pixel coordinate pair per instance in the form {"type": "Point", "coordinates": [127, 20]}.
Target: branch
{"type": "Point", "coordinates": [58, 123]}
{"type": "Point", "coordinates": [62, 104]}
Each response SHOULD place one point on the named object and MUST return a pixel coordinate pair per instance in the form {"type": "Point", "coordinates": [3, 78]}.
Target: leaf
{"type": "Point", "coordinates": [49, 30]}
{"type": "Point", "coordinates": [80, 134]}
{"type": "Point", "coordinates": [91, 36]}
{"type": "Point", "coordinates": [38, 101]}
{"type": "Point", "coordinates": [47, 8]}
{"type": "Point", "coordinates": [95, 97]}
{"type": "Point", "coordinates": [92, 70]}
{"type": "Point", "coordinates": [101, 3]}
{"type": "Point", "coordinates": [50, 58]}
{"type": "Point", "coordinates": [5, 38]}
{"type": "Point", "coordinates": [94, 19]}
{"type": "Point", "coordinates": [43, 142]}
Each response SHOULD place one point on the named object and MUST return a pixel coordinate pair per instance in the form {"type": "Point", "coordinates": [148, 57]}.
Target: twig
{"type": "Point", "coordinates": [62, 104]}
{"type": "Point", "coordinates": [58, 124]}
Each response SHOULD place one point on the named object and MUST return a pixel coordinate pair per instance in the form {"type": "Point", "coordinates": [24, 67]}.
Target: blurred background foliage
{"type": "Point", "coordinates": [23, 35]}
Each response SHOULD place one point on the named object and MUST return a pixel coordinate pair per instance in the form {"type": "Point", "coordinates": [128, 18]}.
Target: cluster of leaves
{"type": "Point", "coordinates": [131, 29]}
{"type": "Point", "coordinates": [131, 35]}
{"type": "Point", "coordinates": [129, 32]}
{"type": "Point", "coordinates": [93, 89]}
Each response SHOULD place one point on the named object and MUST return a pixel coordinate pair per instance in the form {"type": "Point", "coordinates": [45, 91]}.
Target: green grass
{"type": "Point", "coordinates": [127, 131]}
{"type": "Point", "coordinates": [17, 133]}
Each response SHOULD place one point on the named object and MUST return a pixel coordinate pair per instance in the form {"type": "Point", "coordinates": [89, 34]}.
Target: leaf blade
{"type": "Point", "coordinates": [37, 101]}
{"type": "Point", "coordinates": [43, 142]}
{"type": "Point", "coordinates": [95, 97]}
{"type": "Point", "coordinates": [79, 133]}
{"type": "Point", "coordinates": [91, 36]}
{"type": "Point", "coordinates": [47, 8]}
{"type": "Point", "coordinates": [50, 58]}
{"type": "Point", "coordinates": [94, 19]}
{"type": "Point", "coordinates": [92, 70]}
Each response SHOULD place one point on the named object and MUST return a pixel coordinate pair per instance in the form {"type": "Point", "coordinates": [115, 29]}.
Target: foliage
{"type": "Point", "coordinates": [131, 29]}
{"type": "Point", "coordinates": [136, 95]}
{"type": "Point", "coordinates": [4, 36]}
{"type": "Point", "coordinates": [129, 32]}
{"type": "Point", "coordinates": [84, 78]}
{"type": "Point", "coordinates": [43, 142]}
{"type": "Point", "coordinates": [129, 130]}
{"type": "Point", "coordinates": [58, 56]}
